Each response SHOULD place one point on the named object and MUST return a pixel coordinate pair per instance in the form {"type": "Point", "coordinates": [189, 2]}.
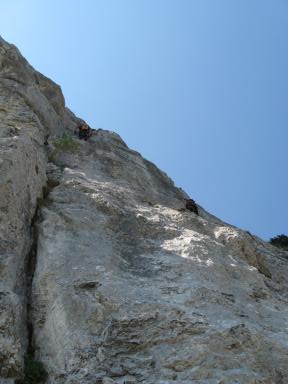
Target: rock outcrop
{"type": "Point", "coordinates": [31, 109]}
{"type": "Point", "coordinates": [129, 286]}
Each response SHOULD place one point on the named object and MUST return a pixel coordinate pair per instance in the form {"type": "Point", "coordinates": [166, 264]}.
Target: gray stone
{"type": "Point", "coordinates": [116, 371]}
{"type": "Point", "coordinates": [107, 380]}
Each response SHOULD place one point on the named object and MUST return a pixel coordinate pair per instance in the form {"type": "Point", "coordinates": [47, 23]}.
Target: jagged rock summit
{"type": "Point", "coordinates": [105, 277]}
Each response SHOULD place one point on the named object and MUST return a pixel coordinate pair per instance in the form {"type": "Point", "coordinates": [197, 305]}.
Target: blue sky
{"type": "Point", "coordinates": [199, 87]}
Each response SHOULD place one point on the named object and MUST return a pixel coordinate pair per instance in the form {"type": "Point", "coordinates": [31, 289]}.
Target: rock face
{"type": "Point", "coordinates": [129, 287]}
{"type": "Point", "coordinates": [31, 109]}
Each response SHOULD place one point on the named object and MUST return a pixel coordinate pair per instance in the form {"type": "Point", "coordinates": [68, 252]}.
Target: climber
{"type": "Point", "coordinates": [192, 206]}
{"type": "Point", "coordinates": [84, 131]}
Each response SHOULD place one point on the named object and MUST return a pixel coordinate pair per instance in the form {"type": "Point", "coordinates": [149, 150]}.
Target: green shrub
{"type": "Point", "coordinates": [64, 144]}
{"type": "Point", "coordinates": [34, 372]}
{"type": "Point", "coordinates": [280, 241]}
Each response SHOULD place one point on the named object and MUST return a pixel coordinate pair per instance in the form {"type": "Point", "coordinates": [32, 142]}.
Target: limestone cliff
{"type": "Point", "coordinates": [105, 276]}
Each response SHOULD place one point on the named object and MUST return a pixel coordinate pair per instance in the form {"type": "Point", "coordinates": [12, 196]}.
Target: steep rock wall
{"type": "Point", "coordinates": [129, 287]}
{"type": "Point", "coordinates": [31, 109]}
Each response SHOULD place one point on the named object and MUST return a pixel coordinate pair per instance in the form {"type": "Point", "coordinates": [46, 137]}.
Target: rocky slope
{"type": "Point", "coordinates": [128, 287]}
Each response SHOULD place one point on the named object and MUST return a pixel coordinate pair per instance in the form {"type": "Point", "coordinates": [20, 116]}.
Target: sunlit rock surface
{"type": "Point", "coordinates": [129, 287]}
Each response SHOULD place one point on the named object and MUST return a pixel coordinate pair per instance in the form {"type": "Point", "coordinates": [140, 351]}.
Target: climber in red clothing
{"type": "Point", "coordinates": [84, 131]}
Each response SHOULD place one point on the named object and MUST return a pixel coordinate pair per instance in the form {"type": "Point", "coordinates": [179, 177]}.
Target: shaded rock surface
{"type": "Point", "coordinates": [31, 109]}
{"type": "Point", "coordinates": [129, 287]}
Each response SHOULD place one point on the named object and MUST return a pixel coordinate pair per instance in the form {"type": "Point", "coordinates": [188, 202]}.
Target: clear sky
{"type": "Point", "coordinates": [199, 87]}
